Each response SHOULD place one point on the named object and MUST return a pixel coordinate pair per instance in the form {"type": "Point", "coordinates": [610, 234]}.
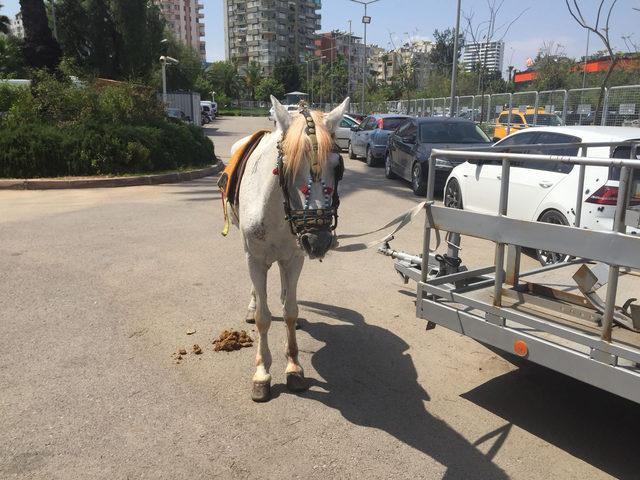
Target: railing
{"type": "Point", "coordinates": [619, 106]}
{"type": "Point", "coordinates": [554, 239]}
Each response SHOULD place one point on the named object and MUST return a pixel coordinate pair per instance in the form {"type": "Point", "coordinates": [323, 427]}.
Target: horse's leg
{"type": "Point", "coordinates": [261, 391]}
{"type": "Point", "coordinates": [294, 372]}
{"type": "Point", "coordinates": [251, 310]}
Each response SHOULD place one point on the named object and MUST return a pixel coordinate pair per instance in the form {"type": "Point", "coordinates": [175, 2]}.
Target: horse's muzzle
{"type": "Point", "coordinates": [316, 243]}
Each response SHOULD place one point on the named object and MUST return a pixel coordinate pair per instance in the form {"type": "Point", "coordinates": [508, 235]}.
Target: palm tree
{"type": "Point", "coordinates": [252, 77]}
{"type": "Point", "coordinates": [5, 23]}
{"type": "Point", "coordinates": [40, 49]}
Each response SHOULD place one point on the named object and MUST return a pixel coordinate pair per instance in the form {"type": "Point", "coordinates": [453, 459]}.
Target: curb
{"type": "Point", "coordinates": [53, 184]}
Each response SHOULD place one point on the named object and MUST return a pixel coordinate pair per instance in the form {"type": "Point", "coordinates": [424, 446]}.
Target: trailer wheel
{"type": "Point", "coordinates": [545, 257]}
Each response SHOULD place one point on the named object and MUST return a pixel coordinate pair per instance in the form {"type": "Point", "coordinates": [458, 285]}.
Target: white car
{"type": "Point", "coordinates": [290, 109]}
{"type": "Point", "coordinates": [547, 192]}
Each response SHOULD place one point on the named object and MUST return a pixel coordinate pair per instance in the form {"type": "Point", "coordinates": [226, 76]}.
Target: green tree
{"type": "Point", "coordinates": [441, 55]}
{"type": "Point", "coordinates": [185, 75]}
{"type": "Point", "coordinates": [269, 86]}
{"type": "Point", "coordinates": [118, 39]}
{"type": "Point", "coordinates": [11, 60]}
{"type": "Point", "coordinates": [223, 78]}
{"type": "Point", "coordinates": [5, 23]}
{"type": "Point", "coordinates": [252, 78]}
{"type": "Point", "coordinates": [287, 73]}
{"type": "Point", "coordinates": [553, 70]}
{"type": "Point", "coordinates": [40, 49]}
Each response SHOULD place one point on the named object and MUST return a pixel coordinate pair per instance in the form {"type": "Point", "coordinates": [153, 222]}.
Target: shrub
{"type": "Point", "coordinates": [41, 150]}
{"type": "Point", "coordinates": [57, 128]}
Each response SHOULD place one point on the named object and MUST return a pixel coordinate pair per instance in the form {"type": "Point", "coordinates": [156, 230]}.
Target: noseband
{"type": "Point", "coordinates": [307, 220]}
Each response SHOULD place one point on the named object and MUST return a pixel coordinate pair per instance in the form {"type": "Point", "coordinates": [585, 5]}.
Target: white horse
{"type": "Point", "coordinates": [288, 206]}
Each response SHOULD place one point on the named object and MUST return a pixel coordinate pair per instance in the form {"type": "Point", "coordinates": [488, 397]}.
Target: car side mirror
{"type": "Point", "coordinates": [355, 128]}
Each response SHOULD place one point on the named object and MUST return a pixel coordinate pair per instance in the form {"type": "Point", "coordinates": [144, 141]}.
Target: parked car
{"type": "Point", "coordinates": [520, 120]}
{"type": "Point", "coordinates": [207, 110]}
{"type": "Point", "coordinates": [177, 115]}
{"type": "Point", "coordinates": [343, 132]}
{"type": "Point", "coordinates": [290, 109]}
{"type": "Point", "coordinates": [411, 144]}
{"type": "Point", "coordinates": [546, 192]}
{"type": "Point", "coordinates": [369, 139]}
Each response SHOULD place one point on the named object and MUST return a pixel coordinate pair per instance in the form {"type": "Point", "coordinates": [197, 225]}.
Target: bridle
{"type": "Point", "coordinates": [308, 220]}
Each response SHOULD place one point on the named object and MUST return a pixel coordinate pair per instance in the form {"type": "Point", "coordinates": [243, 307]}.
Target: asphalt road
{"type": "Point", "coordinates": [99, 287]}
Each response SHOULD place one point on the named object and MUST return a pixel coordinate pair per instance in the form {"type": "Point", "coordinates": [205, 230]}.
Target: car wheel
{"type": "Point", "coordinates": [418, 185]}
{"type": "Point", "coordinates": [352, 155]}
{"type": "Point", "coordinates": [453, 195]}
{"type": "Point", "coordinates": [545, 257]}
{"type": "Point", "coordinates": [387, 167]}
{"type": "Point", "coordinates": [370, 159]}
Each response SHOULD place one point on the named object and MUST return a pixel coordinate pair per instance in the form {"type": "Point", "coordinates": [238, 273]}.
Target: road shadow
{"type": "Point", "coordinates": [372, 381]}
{"type": "Point", "coordinates": [588, 423]}
{"type": "Point", "coordinates": [374, 179]}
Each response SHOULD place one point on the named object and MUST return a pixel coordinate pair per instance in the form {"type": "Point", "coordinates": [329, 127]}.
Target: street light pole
{"type": "Point", "coordinates": [365, 20]}
{"type": "Point", "coordinates": [163, 62]}
{"type": "Point", "coordinates": [454, 67]}
{"type": "Point", "coordinates": [349, 64]}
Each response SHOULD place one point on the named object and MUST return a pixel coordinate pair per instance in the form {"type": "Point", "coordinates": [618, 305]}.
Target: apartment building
{"type": "Point", "coordinates": [17, 28]}
{"type": "Point", "coordinates": [186, 20]}
{"type": "Point", "coordinates": [267, 31]}
{"type": "Point", "coordinates": [414, 55]}
{"type": "Point", "coordinates": [336, 43]}
{"type": "Point", "coordinates": [488, 54]}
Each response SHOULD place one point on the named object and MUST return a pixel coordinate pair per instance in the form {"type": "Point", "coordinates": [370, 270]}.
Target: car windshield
{"type": "Point", "coordinates": [391, 123]}
{"type": "Point", "coordinates": [548, 119]}
{"type": "Point", "coordinates": [451, 132]}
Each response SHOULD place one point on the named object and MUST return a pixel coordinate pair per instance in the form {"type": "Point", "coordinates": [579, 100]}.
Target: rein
{"type": "Point", "coordinates": [307, 220]}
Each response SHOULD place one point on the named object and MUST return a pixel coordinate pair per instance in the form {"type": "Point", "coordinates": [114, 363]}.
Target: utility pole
{"type": "Point", "coordinates": [53, 19]}
{"type": "Point", "coordinates": [349, 64]}
{"type": "Point", "coordinates": [365, 21]}
{"type": "Point", "coordinates": [454, 67]}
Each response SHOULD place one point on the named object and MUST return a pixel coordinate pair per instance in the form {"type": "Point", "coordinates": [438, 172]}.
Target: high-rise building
{"type": "Point", "coordinates": [185, 19]}
{"type": "Point", "coordinates": [489, 55]}
{"type": "Point", "coordinates": [17, 28]}
{"type": "Point", "coordinates": [267, 31]}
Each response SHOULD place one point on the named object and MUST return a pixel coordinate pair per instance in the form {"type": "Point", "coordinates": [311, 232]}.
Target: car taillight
{"type": "Point", "coordinates": [380, 123]}
{"type": "Point", "coordinates": [607, 195]}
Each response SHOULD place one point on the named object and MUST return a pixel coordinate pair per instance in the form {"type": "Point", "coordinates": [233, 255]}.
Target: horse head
{"type": "Point", "coordinates": [310, 169]}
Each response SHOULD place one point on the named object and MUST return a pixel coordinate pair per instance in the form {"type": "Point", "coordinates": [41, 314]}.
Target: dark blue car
{"type": "Point", "coordinates": [369, 139]}
{"type": "Point", "coordinates": [411, 144]}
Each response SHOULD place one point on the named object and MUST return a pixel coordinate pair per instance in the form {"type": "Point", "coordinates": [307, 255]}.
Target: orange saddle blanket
{"type": "Point", "coordinates": [229, 181]}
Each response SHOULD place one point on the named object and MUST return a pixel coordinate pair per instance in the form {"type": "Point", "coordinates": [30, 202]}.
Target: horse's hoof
{"type": "Point", "coordinates": [261, 391]}
{"type": "Point", "coordinates": [251, 316]}
{"type": "Point", "coordinates": [296, 382]}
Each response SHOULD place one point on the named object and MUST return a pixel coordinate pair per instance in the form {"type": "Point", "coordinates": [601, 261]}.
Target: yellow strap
{"type": "Point", "coordinates": [225, 229]}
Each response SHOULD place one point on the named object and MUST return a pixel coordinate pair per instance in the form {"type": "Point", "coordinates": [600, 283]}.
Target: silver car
{"type": "Point", "coordinates": [343, 132]}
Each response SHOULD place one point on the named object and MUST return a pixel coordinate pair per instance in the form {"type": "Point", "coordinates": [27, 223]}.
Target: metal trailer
{"type": "Point", "coordinates": [553, 315]}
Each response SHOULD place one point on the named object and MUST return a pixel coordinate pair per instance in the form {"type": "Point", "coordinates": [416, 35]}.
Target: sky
{"type": "Point", "coordinates": [395, 21]}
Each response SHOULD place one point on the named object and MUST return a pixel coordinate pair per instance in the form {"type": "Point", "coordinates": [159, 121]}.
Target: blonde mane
{"type": "Point", "coordinates": [296, 146]}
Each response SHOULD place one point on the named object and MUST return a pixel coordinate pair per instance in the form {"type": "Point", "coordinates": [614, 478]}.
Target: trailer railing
{"type": "Point", "coordinates": [448, 299]}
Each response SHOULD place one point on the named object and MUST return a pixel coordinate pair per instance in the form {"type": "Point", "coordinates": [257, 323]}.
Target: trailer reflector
{"type": "Point", "coordinates": [520, 348]}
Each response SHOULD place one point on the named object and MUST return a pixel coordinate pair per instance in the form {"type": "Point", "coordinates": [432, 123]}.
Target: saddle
{"type": "Point", "coordinates": [231, 178]}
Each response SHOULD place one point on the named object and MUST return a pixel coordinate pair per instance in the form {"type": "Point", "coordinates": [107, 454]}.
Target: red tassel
{"type": "Point", "coordinates": [304, 189]}
{"type": "Point", "coordinates": [275, 171]}
{"type": "Point", "coordinates": [328, 190]}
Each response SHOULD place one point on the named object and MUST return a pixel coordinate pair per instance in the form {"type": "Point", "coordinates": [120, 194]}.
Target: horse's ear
{"type": "Point", "coordinates": [283, 118]}
{"type": "Point", "coordinates": [333, 118]}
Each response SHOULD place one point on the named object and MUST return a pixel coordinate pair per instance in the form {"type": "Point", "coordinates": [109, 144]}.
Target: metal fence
{"type": "Point", "coordinates": [619, 106]}
{"type": "Point", "coordinates": [188, 102]}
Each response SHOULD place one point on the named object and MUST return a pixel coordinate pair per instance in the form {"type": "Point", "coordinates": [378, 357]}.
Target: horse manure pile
{"type": "Point", "coordinates": [231, 340]}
